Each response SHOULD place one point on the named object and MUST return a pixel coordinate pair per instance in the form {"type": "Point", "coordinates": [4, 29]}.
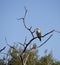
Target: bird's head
{"type": "Point", "coordinates": [38, 30]}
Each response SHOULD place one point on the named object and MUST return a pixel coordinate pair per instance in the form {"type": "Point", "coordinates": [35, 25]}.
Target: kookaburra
{"type": "Point", "coordinates": [38, 33]}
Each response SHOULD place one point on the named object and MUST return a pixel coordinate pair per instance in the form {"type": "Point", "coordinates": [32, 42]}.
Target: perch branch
{"type": "Point", "coordinates": [42, 43]}
{"type": "Point", "coordinates": [37, 37]}
{"type": "Point", "coordinates": [45, 41]}
{"type": "Point", "coordinates": [51, 32]}
{"type": "Point", "coordinates": [48, 33]}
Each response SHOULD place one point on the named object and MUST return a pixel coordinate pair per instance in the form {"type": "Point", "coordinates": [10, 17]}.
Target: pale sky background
{"type": "Point", "coordinates": [44, 14]}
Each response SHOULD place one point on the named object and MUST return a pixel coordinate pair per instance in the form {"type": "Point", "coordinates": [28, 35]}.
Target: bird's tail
{"type": "Point", "coordinates": [40, 39]}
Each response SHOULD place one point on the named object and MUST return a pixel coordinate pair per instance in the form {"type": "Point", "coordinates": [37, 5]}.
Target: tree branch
{"type": "Point", "coordinates": [37, 37]}
{"type": "Point", "coordinates": [48, 33]}
{"type": "Point", "coordinates": [45, 41]}
{"type": "Point", "coordinates": [28, 44]}
{"type": "Point", "coordinates": [2, 49]}
{"type": "Point", "coordinates": [41, 44]}
{"type": "Point", "coordinates": [29, 29]}
{"type": "Point", "coordinates": [21, 59]}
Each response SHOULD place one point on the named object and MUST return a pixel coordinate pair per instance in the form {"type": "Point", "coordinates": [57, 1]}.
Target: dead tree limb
{"type": "Point", "coordinates": [48, 33]}
{"type": "Point", "coordinates": [2, 49]}
{"type": "Point", "coordinates": [28, 44]}
{"type": "Point", "coordinates": [21, 44]}
{"type": "Point", "coordinates": [45, 41]}
{"type": "Point", "coordinates": [37, 37]}
{"type": "Point", "coordinates": [28, 28]}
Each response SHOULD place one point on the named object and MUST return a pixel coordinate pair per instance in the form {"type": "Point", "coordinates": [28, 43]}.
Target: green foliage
{"type": "Point", "coordinates": [33, 59]}
{"type": "Point", "coordinates": [1, 62]}
{"type": "Point", "coordinates": [46, 60]}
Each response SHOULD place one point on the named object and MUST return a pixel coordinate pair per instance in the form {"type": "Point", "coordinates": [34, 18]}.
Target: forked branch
{"type": "Point", "coordinates": [28, 28]}
{"type": "Point", "coordinates": [45, 41]}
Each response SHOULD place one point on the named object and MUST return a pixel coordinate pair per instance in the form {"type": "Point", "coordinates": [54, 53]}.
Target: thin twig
{"type": "Point", "coordinates": [6, 40]}
{"type": "Point", "coordinates": [10, 46]}
{"type": "Point", "coordinates": [25, 12]}
{"type": "Point", "coordinates": [20, 43]}
{"type": "Point", "coordinates": [57, 31]}
{"type": "Point", "coordinates": [25, 40]}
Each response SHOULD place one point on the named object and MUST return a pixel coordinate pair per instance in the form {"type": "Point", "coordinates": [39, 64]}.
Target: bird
{"type": "Point", "coordinates": [38, 33]}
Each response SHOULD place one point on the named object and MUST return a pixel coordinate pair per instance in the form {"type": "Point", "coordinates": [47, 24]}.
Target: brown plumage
{"type": "Point", "coordinates": [38, 33]}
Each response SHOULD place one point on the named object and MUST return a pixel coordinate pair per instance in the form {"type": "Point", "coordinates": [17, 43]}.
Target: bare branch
{"type": "Point", "coordinates": [25, 12]}
{"type": "Point", "coordinates": [41, 44]}
{"type": "Point", "coordinates": [6, 40]}
{"type": "Point", "coordinates": [20, 43]}
{"type": "Point", "coordinates": [45, 41]}
{"type": "Point", "coordinates": [34, 39]}
{"type": "Point", "coordinates": [33, 31]}
{"type": "Point", "coordinates": [29, 29]}
{"type": "Point", "coordinates": [51, 32]}
{"type": "Point", "coordinates": [10, 46]}
{"type": "Point", "coordinates": [28, 44]}
{"type": "Point", "coordinates": [48, 33]}
{"type": "Point", "coordinates": [25, 40]}
{"type": "Point", "coordinates": [2, 49]}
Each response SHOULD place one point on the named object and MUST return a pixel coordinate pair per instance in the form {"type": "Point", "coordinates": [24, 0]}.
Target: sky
{"type": "Point", "coordinates": [44, 14]}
